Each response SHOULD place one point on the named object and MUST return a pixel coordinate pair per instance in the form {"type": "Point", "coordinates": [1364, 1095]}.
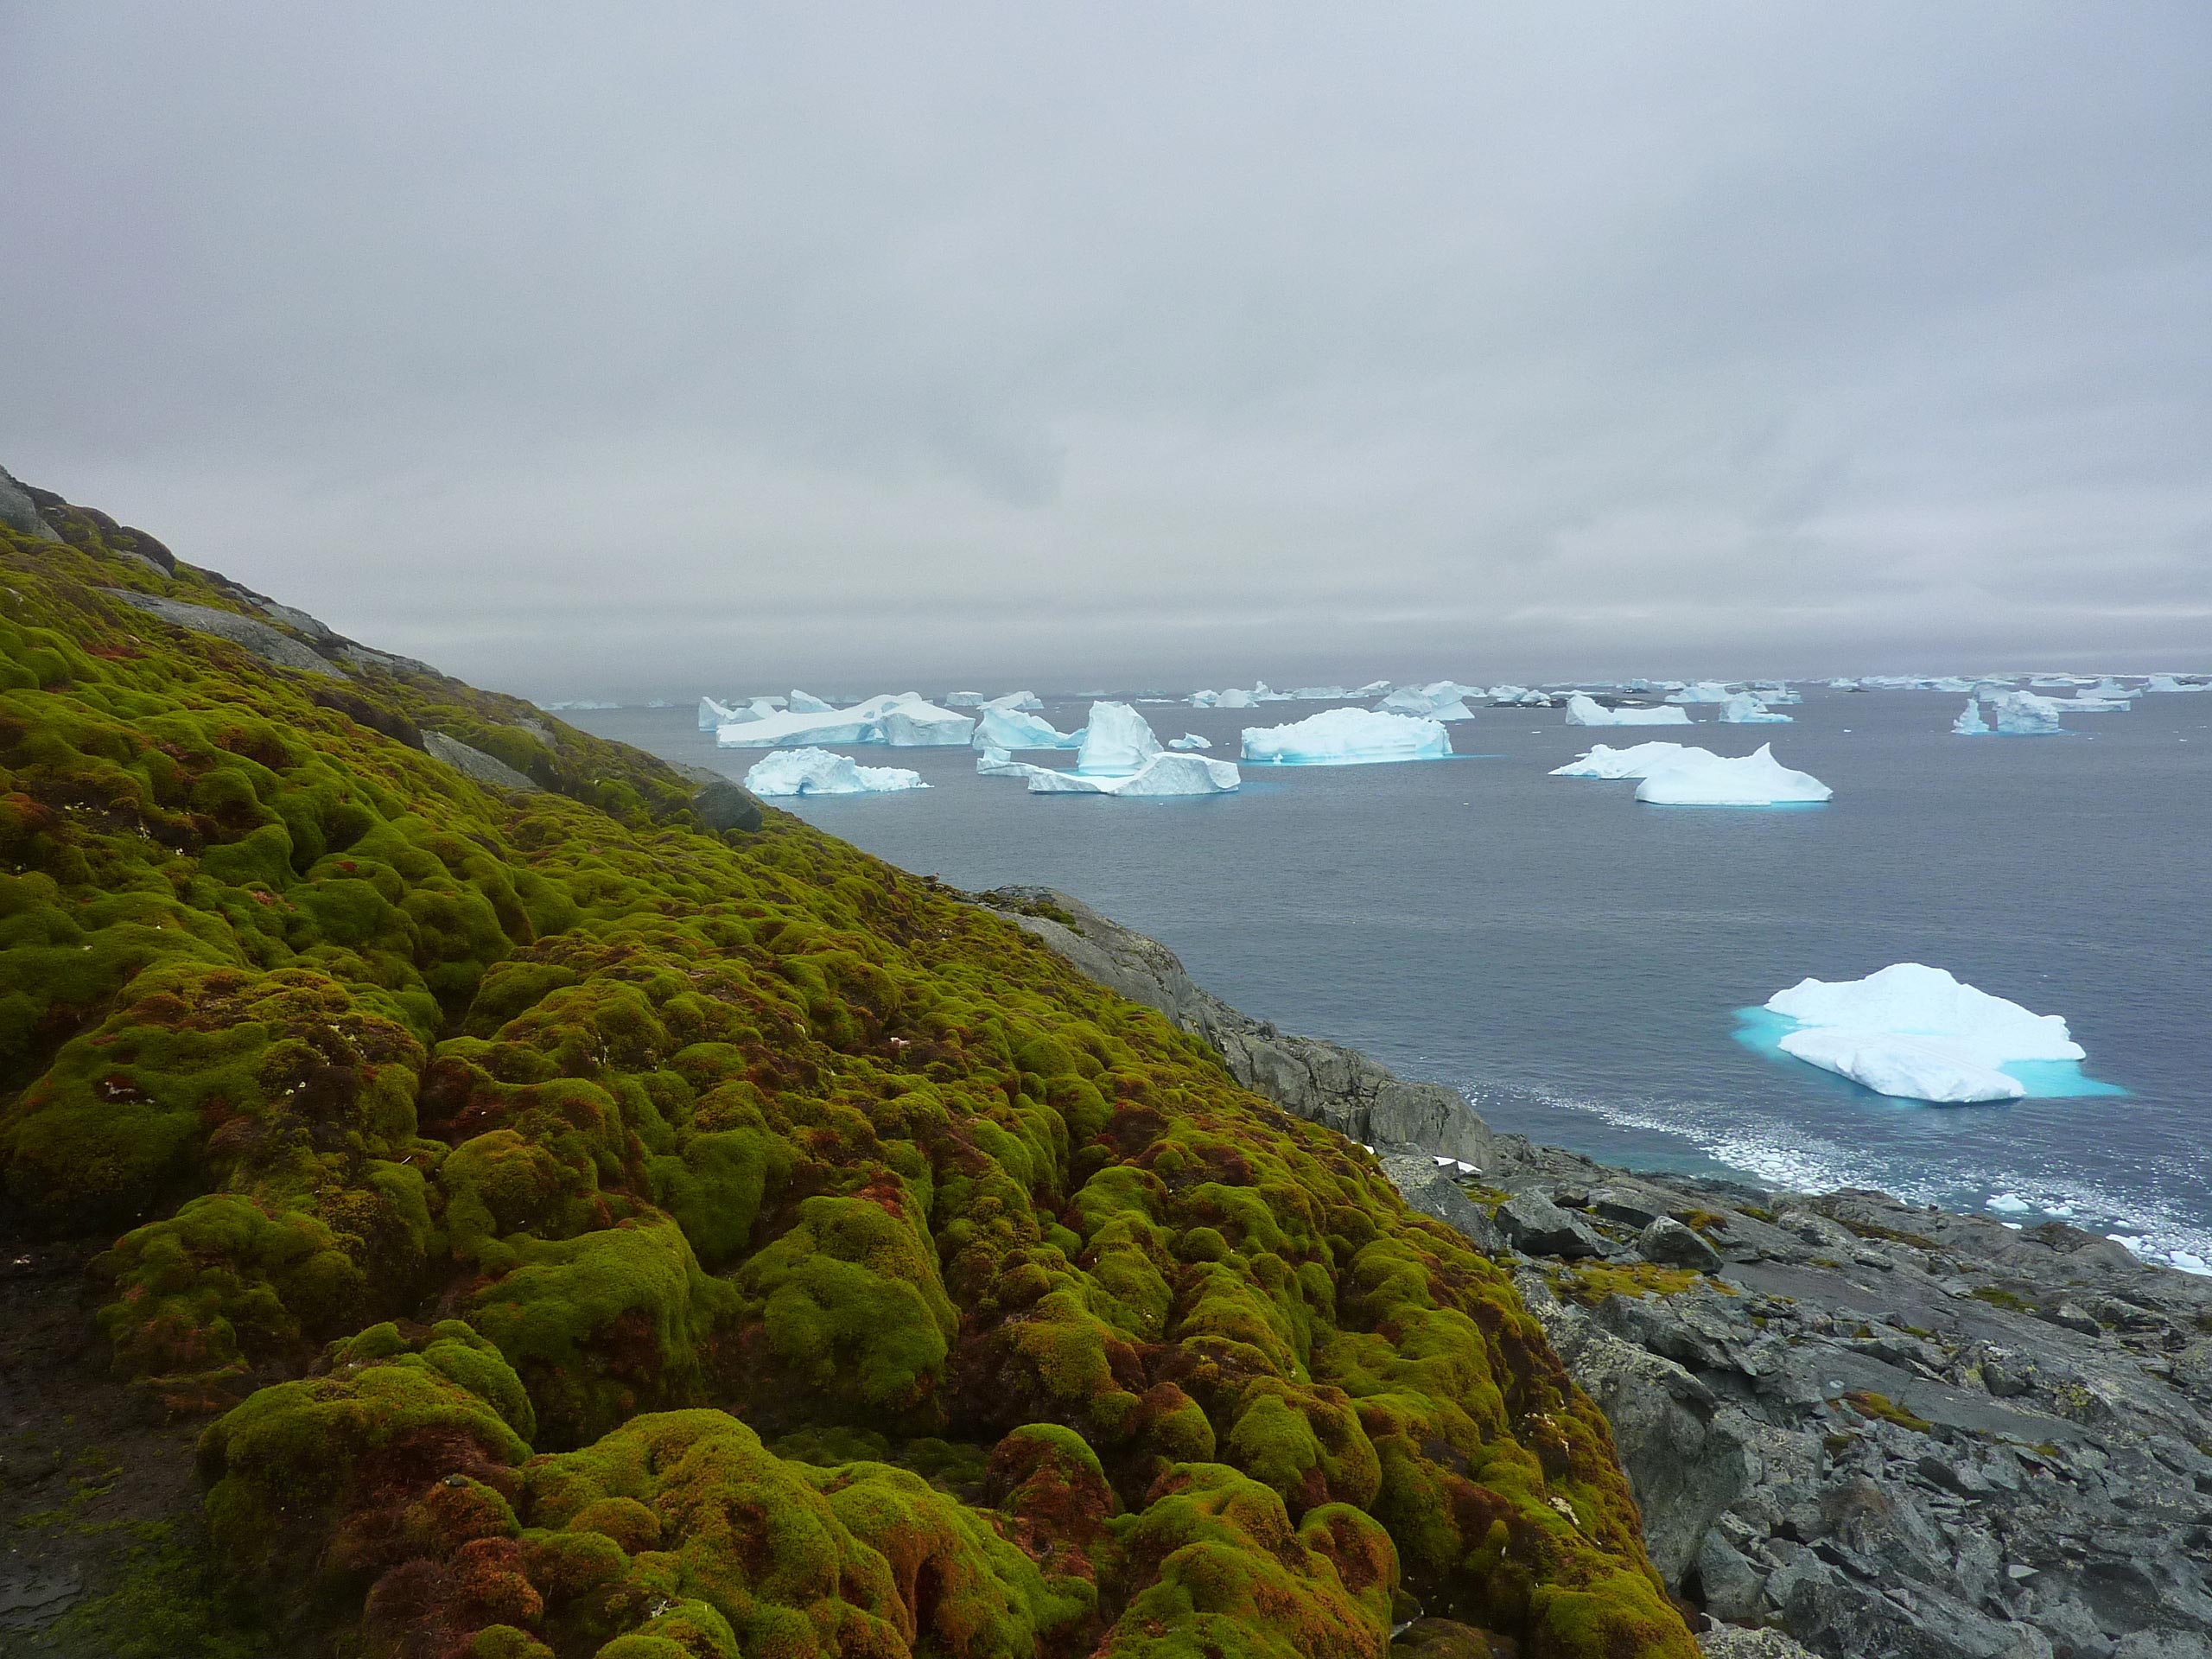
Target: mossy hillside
{"type": "Point", "coordinates": [746, 1135]}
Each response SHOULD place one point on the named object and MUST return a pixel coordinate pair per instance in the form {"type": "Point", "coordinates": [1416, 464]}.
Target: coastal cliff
{"type": "Point", "coordinates": [1883, 1429]}
{"type": "Point", "coordinates": [471, 1191]}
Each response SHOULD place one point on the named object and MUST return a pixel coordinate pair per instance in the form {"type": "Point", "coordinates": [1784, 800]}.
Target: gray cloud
{"type": "Point", "coordinates": [707, 348]}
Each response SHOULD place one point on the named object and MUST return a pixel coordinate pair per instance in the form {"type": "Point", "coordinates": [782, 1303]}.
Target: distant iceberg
{"type": "Point", "coordinates": [1917, 1032]}
{"type": "Point", "coordinates": [902, 720]}
{"type": "Point", "coordinates": [1970, 722]}
{"type": "Point", "coordinates": [915, 724]}
{"type": "Point", "coordinates": [817, 771]}
{"type": "Point", "coordinates": [1639, 762]}
{"type": "Point", "coordinates": [1756, 780]}
{"type": "Point", "coordinates": [1703, 691]}
{"type": "Point", "coordinates": [1440, 700]}
{"type": "Point", "coordinates": [1587, 711]}
{"type": "Point", "coordinates": [2086, 704]}
{"type": "Point", "coordinates": [1347, 737]}
{"type": "Point", "coordinates": [997, 763]}
{"type": "Point", "coordinates": [802, 703]}
{"type": "Point", "coordinates": [1007, 728]}
{"type": "Point", "coordinates": [1015, 703]}
{"type": "Point", "coordinates": [1161, 775]}
{"type": "Point", "coordinates": [1373, 688]}
{"type": "Point", "coordinates": [713, 714]}
{"type": "Point", "coordinates": [2168, 682]}
{"type": "Point", "coordinates": [1189, 740]}
{"type": "Point", "coordinates": [965, 700]}
{"type": "Point", "coordinates": [1744, 710]}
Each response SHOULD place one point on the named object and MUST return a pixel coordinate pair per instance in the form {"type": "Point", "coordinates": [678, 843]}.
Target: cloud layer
{"type": "Point", "coordinates": [1131, 344]}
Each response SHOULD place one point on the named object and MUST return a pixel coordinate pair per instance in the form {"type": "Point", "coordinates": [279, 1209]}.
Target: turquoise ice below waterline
{"type": "Point", "coordinates": [1761, 1030]}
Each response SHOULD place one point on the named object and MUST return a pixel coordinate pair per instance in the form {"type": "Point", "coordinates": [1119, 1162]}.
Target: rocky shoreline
{"type": "Point", "coordinates": [1876, 1428]}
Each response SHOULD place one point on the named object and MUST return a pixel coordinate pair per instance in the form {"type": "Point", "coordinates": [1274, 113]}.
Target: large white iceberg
{"type": "Point", "coordinates": [901, 719]}
{"type": "Point", "coordinates": [1347, 737]}
{"type": "Point", "coordinates": [1117, 741]}
{"type": "Point", "coordinates": [817, 771]}
{"type": "Point", "coordinates": [1915, 1031]}
{"type": "Point", "coordinates": [1703, 691]}
{"type": "Point", "coordinates": [911, 723]}
{"type": "Point", "coordinates": [1587, 711]}
{"type": "Point", "coordinates": [1638, 762]}
{"type": "Point", "coordinates": [1744, 710]}
{"type": "Point", "coordinates": [1969, 723]}
{"type": "Point", "coordinates": [1756, 779]}
{"type": "Point", "coordinates": [2023, 713]}
{"type": "Point", "coordinates": [1161, 775]}
{"type": "Point", "coordinates": [1010, 728]}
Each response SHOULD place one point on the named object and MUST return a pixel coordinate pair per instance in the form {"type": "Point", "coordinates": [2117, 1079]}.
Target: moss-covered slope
{"type": "Point", "coordinates": [583, 1232]}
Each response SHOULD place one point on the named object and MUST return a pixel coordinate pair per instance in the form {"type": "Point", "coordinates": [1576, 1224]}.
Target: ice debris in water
{"type": "Point", "coordinates": [1010, 728]}
{"type": "Point", "coordinates": [817, 771]}
{"type": "Point", "coordinates": [1636, 761]}
{"type": "Point", "coordinates": [1347, 737]}
{"type": "Point", "coordinates": [1189, 740]}
{"type": "Point", "coordinates": [1917, 1032]}
{"type": "Point", "coordinates": [1756, 780]}
{"type": "Point", "coordinates": [1588, 711]}
{"type": "Point", "coordinates": [1744, 710]}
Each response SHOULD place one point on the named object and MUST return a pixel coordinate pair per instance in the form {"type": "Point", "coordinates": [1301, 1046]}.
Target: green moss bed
{"type": "Point", "coordinates": [581, 1233]}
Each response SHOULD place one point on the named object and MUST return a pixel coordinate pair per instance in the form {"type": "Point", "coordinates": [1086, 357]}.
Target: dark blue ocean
{"type": "Point", "coordinates": [1574, 962]}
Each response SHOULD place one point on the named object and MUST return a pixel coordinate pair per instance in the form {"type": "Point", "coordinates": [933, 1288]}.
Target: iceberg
{"type": "Point", "coordinates": [1441, 700]}
{"type": "Point", "coordinates": [1161, 775]}
{"type": "Point", "coordinates": [1347, 737]}
{"type": "Point", "coordinates": [1744, 710]}
{"type": "Point", "coordinates": [1638, 762]}
{"type": "Point", "coordinates": [2089, 705]}
{"type": "Point", "coordinates": [817, 771]}
{"type": "Point", "coordinates": [1235, 699]}
{"type": "Point", "coordinates": [1189, 740]}
{"type": "Point", "coordinates": [1007, 729]}
{"type": "Point", "coordinates": [1703, 691]}
{"type": "Point", "coordinates": [912, 723]}
{"type": "Point", "coordinates": [1374, 689]}
{"type": "Point", "coordinates": [1970, 722]}
{"type": "Point", "coordinates": [1756, 780]}
{"type": "Point", "coordinates": [801, 703]}
{"type": "Point", "coordinates": [2023, 713]}
{"type": "Point", "coordinates": [965, 700]}
{"type": "Point", "coordinates": [1917, 1032]}
{"type": "Point", "coordinates": [1587, 711]}
{"type": "Point", "coordinates": [997, 763]}
{"type": "Point", "coordinates": [1015, 703]}
{"type": "Point", "coordinates": [2168, 682]}
{"type": "Point", "coordinates": [1117, 742]}
{"type": "Point", "coordinates": [713, 714]}
{"type": "Point", "coordinates": [1951, 683]}
{"type": "Point", "coordinates": [839, 726]}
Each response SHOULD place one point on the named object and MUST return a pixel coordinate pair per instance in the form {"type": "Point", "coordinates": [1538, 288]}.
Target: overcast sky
{"type": "Point", "coordinates": [624, 351]}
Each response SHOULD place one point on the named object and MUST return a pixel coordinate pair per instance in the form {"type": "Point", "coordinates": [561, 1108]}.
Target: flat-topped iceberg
{"type": "Point", "coordinates": [1189, 740]}
{"type": "Point", "coordinates": [1917, 1032]}
{"type": "Point", "coordinates": [817, 771]}
{"type": "Point", "coordinates": [1703, 691]}
{"type": "Point", "coordinates": [2086, 704]}
{"type": "Point", "coordinates": [1588, 711]}
{"type": "Point", "coordinates": [1009, 728]}
{"type": "Point", "coordinates": [1744, 710]}
{"type": "Point", "coordinates": [2167, 682]}
{"type": "Point", "coordinates": [1347, 737]}
{"type": "Point", "coordinates": [902, 720]}
{"type": "Point", "coordinates": [1756, 780]}
{"type": "Point", "coordinates": [1161, 775]}
{"type": "Point", "coordinates": [1639, 760]}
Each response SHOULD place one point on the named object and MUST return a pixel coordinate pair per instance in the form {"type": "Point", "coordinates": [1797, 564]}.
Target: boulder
{"type": "Point", "coordinates": [1670, 1244]}
{"type": "Point", "coordinates": [1535, 1225]}
{"type": "Point", "coordinates": [723, 805]}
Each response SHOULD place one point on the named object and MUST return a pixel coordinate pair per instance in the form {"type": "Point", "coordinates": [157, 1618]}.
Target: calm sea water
{"type": "Point", "coordinates": [1575, 962]}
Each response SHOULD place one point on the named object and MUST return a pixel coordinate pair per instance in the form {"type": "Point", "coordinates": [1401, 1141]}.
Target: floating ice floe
{"type": "Point", "coordinates": [1347, 737]}
{"type": "Point", "coordinates": [1010, 728]}
{"type": "Point", "coordinates": [1703, 691]}
{"type": "Point", "coordinates": [1756, 780]}
{"type": "Point", "coordinates": [1917, 1032]}
{"type": "Point", "coordinates": [817, 771]}
{"type": "Point", "coordinates": [2007, 1203]}
{"type": "Point", "coordinates": [1637, 761]}
{"type": "Point", "coordinates": [1969, 723]}
{"type": "Point", "coordinates": [1588, 711]}
{"type": "Point", "coordinates": [1744, 710]}
{"type": "Point", "coordinates": [1161, 775]}
{"type": "Point", "coordinates": [1189, 740]}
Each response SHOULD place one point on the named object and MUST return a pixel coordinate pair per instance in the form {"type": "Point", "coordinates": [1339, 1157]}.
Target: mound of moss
{"type": "Point", "coordinates": [587, 1231]}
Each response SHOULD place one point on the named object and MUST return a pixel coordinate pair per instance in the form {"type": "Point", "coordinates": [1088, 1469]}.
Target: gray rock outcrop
{"type": "Point", "coordinates": [1321, 1081]}
{"type": "Point", "coordinates": [723, 805]}
{"type": "Point", "coordinates": [20, 513]}
{"type": "Point", "coordinates": [474, 762]}
{"type": "Point", "coordinates": [271, 644]}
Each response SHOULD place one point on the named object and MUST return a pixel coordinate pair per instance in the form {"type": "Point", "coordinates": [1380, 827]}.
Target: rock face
{"type": "Point", "coordinates": [269, 644]}
{"type": "Point", "coordinates": [1871, 1429]}
{"type": "Point", "coordinates": [20, 513]}
{"type": "Point", "coordinates": [726, 805]}
{"type": "Point", "coordinates": [1323, 1082]}
{"type": "Point", "coordinates": [474, 762]}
